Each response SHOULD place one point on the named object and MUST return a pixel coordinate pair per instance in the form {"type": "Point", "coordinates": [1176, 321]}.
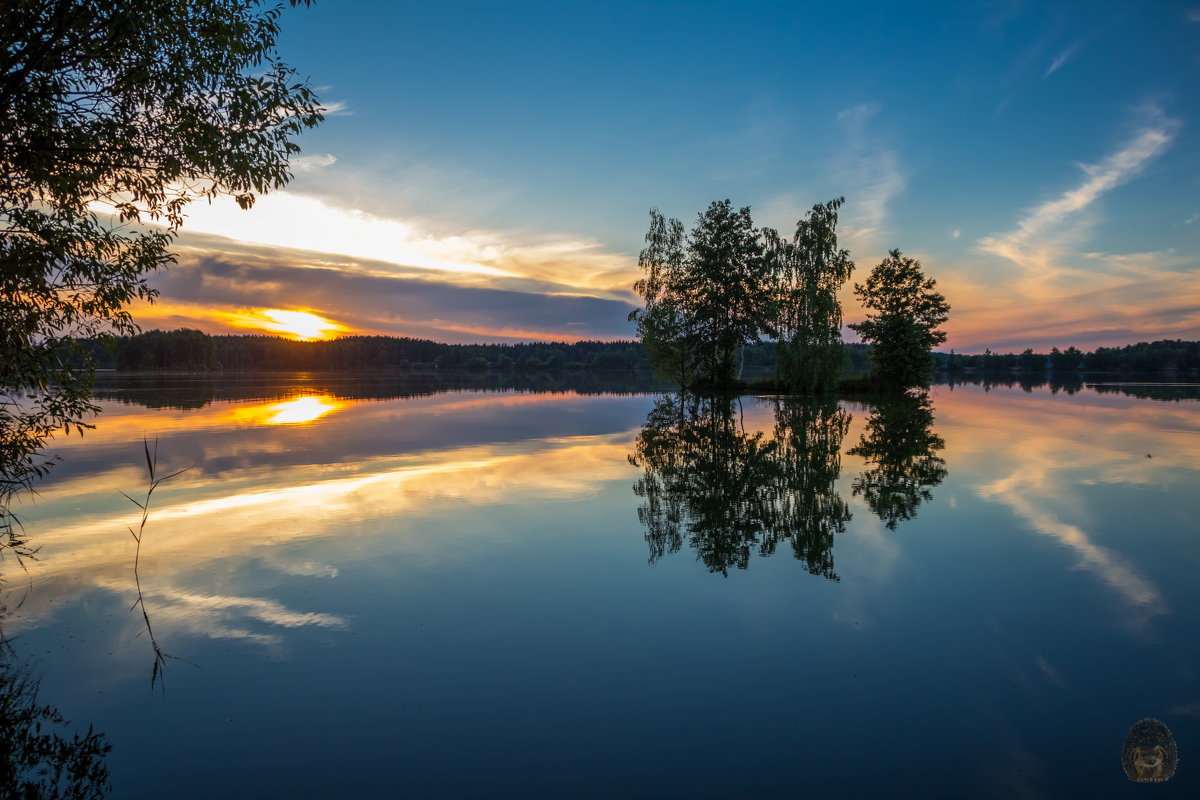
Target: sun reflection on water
{"type": "Point", "coordinates": [301, 410]}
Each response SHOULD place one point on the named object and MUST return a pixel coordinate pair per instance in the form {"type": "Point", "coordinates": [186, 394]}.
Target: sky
{"type": "Point", "coordinates": [486, 170]}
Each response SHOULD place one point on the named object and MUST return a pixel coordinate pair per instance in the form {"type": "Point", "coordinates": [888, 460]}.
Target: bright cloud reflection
{"type": "Point", "coordinates": [199, 523]}
{"type": "Point", "coordinates": [264, 503]}
{"type": "Point", "coordinates": [1045, 451]}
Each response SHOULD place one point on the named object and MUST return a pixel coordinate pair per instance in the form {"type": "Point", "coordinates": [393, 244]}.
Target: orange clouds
{"type": "Point", "coordinates": [1121, 305]}
{"type": "Point", "coordinates": [212, 289]}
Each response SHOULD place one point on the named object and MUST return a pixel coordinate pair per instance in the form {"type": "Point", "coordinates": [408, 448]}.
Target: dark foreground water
{"type": "Point", "coordinates": [489, 594]}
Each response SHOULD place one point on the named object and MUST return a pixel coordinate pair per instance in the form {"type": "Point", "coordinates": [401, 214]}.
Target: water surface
{"type": "Point", "coordinates": [501, 593]}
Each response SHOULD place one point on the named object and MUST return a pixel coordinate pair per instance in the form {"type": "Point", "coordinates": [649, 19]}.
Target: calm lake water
{"type": "Point", "coordinates": [369, 590]}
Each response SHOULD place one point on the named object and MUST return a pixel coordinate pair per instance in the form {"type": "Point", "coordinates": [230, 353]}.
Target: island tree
{"type": "Point", "coordinates": [702, 481]}
{"type": "Point", "coordinates": [903, 328]}
{"type": "Point", "coordinates": [706, 294]}
{"type": "Point", "coordinates": [727, 284]}
{"type": "Point", "coordinates": [113, 117]}
{"type": "Point", "coordinates": [667, 330]}
{"type": "Point", "coordinates": [809, 272]}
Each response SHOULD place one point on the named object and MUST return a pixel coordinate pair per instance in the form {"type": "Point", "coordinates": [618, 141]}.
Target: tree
{"type": "Point", "coordinates": [726, 285]}
{"type": "Point", "coordinates": [1065, 361]}
{"type": "Point", "coordinates": [904, 328]}
{"type": "Point", "coordinates": [1030, 361]}
{"type": "Point", "coordinates": [706, 296]}
{"type": "Point", "coordinates": [156, 350]}
{"type": "Point", "coordinates": [810, 270]}
{"type": "Point", "coordinates": [666, 330]}
{"type": "Point", "coordinates": [113, 117]}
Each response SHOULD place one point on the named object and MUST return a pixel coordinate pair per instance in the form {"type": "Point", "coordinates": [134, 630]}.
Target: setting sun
{"type": "Point", "coordinates": [300, 325]}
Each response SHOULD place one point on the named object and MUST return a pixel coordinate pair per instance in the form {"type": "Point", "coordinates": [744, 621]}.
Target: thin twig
{"type": "Point", "coordinates": [160, 658]}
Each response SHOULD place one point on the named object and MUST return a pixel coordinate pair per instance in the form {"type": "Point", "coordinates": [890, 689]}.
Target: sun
{"type": "Point", "coordinates": [301, 325]}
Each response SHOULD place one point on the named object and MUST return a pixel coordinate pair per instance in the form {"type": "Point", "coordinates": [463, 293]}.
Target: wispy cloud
{"type": "Point", "coordinates": [1063, 58]}
{"type": "Point", "coordinates": [1063, 292]}
{"type": "Point", "coordinates": [783, 210]}
{"type": "Point", "coordinates": [312, 163]}
{"type": "Point", "coordinates": [271, 612]}
{"type": "Point", "coordinates": [1042, 241]}
{"type": "Point", "coordinates": [1045, 456]}
{"type": "Point", "coordinates": [1049, 671]}
{"type": "Point", "coordinates": [336, 108]}
{"type": "Point", "coordinates": [870, 172]}
{"type": "Point", "coordinates": [562, 263]}
{"type": "Point", "coordinates": [859, 114]}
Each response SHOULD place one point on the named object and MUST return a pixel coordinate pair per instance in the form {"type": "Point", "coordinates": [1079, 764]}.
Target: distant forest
{"type": "Point", "coordinates": [1164, 355]}
{"type": "Point", "coordinates": [195, 351]}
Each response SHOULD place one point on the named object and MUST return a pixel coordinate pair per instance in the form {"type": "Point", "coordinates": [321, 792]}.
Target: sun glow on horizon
{"type": "Point", "coordinates": [301, 325]}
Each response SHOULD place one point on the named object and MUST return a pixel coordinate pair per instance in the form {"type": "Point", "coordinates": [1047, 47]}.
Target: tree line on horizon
{"type": "Point", "coordinates": [189, 350]}
{"type": "Point", "coordinates": [1146, 357]}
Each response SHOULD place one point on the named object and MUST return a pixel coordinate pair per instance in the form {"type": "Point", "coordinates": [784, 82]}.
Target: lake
{"type": "Point", "coordinates": [372, 588]}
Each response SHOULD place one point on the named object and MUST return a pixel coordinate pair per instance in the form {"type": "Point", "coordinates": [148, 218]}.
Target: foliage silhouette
{"type": "Point", "coordinates": [726, 284]}
{"type": "Point", "coordinates": [900, 447]}
{"type": "Point", "coordinates": [668, 333]}
{"type": "Point", "coordinates": [727, 493]}
{"type": "Point", "coordinates": [40, 759]}
{"type": "Point", "coordinates": [706, 295]}
{"type": "Point", "coordinates": [13, 540]}
{"type": "Point", "coordinates": [903, 327]}
{"type": "Point", "coordinates": [116, 115]}
{"type": "Point", "coordinates": [808, 273]}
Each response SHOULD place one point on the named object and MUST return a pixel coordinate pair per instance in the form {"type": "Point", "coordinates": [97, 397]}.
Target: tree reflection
{"type": "Point", "coordinates": [728, 492]}
{"type": "Point", "coordinates": [808, 437]}
{"type": "Point", "coordinates": [900, 448]}
{"type": "Point", "coordinates": [39, 756]}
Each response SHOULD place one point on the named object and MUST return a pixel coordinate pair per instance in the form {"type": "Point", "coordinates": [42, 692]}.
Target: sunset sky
{"type": "Point", "coordinates": [486, 170]}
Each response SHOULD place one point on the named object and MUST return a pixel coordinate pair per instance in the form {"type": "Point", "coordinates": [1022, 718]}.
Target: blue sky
{"type": "Point", "coordinates": [486, 169]}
